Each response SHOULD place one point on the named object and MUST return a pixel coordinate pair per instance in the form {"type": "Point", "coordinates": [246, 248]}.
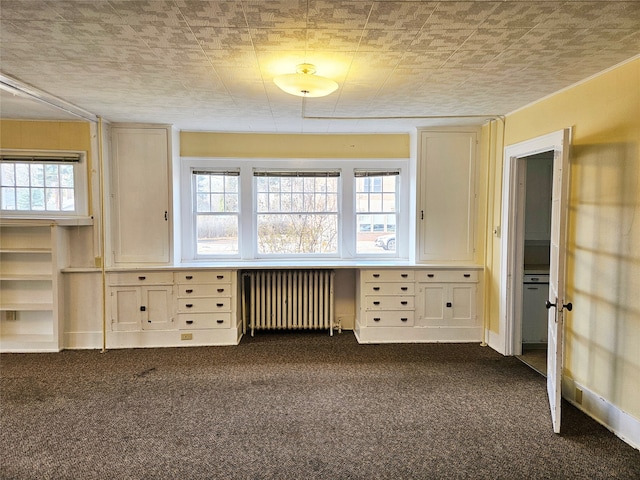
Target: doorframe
{"type": "Point", "coordinates": [512, 245]}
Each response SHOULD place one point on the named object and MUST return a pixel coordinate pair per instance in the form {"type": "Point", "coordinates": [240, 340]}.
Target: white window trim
{"type": "Point", "coordinates": [80, 188]}
{"type": "Point", "coordinates": [247, 243]}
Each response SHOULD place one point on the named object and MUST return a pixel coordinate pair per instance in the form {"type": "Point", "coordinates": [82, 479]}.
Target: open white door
{"type": "Point", "coordinates": [556, 303]}
{"type": "Point", "coordinates": [512, 256]}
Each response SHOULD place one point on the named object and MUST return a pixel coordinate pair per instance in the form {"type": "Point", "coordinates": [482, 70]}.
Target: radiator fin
{"type": "Point", "coordinates": [288, 299]}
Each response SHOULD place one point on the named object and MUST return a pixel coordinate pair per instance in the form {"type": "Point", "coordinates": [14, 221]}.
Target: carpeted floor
{"type": "Point", "coordinates": [293, 406]}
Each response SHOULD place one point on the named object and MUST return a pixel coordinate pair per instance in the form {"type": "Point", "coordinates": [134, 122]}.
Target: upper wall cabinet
{"type": "Point", "coordinates": [446, 195]}
{"type": "Point", "coordinates": [141, 188]}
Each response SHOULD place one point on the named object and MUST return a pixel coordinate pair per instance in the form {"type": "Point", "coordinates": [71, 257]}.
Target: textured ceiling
{"type": "Point", "coordinates": [209, 65]}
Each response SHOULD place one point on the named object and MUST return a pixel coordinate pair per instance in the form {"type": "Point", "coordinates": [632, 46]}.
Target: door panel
{"type": "Point", "coordinates": [556, 279]}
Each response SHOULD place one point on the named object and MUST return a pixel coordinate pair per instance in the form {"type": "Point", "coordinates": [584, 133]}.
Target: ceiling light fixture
{"type": "Point", "coordinates": [305, 83]}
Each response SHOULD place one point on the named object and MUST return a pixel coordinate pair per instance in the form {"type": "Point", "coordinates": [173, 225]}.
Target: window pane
{"type": "Point", "coordinates": [68, 199]}
{"type": "Point", "coordinates": [376, 195]}
{"type": "Point", "coordinates": [203, 202]}
{"type": "Point", "coordinates": [23, 197]}
{"type": "Point", "coordinates": [297, 234]}
{"type": "Point", "coordinates": [66, 176]}
{"type": "Point", "coordinates": [217, 234]}
{"type": "Point", "coordinates": [53, 199]}
{"type": "Point", "coordinates": [8, 175]}
{"type": "Point", "coordinates": [22, 175]}
{"type": "Point", "coordinates": [8, 198]}
{"type": "Point", "coordinates": [37, 199]}
{"type": "Point", "coordinates": [37, 175]}
{"type": "Point", "coordinates": [51, 176]}
{"type": "Point", "coordinates": [202, 183]}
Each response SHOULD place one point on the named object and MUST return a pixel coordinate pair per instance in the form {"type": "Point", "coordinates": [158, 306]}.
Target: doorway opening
{"type": "Point", "coordinates": [537, 183]}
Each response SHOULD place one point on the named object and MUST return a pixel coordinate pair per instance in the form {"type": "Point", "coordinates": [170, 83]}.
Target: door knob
{"type": "Point", "coordinates": [548, 304]}
{"type": "Point", "coordinates": [568, 306]}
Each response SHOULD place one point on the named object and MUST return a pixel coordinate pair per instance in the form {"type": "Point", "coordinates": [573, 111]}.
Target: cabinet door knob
{"type": "Point", "coordinates": [449, 304]}
{"type": "Point", "coordinates": [143, 308]}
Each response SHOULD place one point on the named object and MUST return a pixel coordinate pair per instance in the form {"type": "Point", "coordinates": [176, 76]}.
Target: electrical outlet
{"type": "Point", "coordinates": [186, 336]}
{"type": "Point", "coordinates": [578, 396]}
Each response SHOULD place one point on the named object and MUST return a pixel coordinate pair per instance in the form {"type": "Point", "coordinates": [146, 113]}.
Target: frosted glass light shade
{"type": "Point", "coordinates": [305, 83]}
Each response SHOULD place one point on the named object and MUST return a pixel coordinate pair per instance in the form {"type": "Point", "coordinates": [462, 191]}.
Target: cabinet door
{"type": "Point", "coordinates": [141, 195]}
{"type": "Point", "coordinates": [157, 308]}
{"type": "Point", "coordinates": [446, 205]}
{"type": "Point", "coordinates": [431, 301]}
{"type": "Point", "coordinates": [125, 309]}
{"type": "Point", "coordinates": [462, 300]}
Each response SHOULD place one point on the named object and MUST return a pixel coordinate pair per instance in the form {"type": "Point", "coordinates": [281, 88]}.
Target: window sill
{"type": "Point", "coordinates": [41, 221]}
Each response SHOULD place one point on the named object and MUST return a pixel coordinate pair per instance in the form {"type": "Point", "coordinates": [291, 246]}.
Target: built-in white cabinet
{"type": "Point", "coordinates": [31, 296]}
{"type": "Point", "coordinates": [161, 308]}
{"type": "Point", "coordinates": [417, 305]}
{"type": "Point", "coordinates": [446, 304]}
{"type": "Point", "coordinates": [141, 195]}
{"type": "Point", "coordinates": [446, 188]}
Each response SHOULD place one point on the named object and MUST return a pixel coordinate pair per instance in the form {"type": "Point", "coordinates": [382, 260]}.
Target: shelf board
{"type": "Point", "coordinates": [26, 307]}
{"type": "Point", "coordinates": [26, 278]}
{"type": "Point", "coordinates": [24, 250]}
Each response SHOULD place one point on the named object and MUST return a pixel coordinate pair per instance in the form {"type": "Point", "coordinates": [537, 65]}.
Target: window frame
{"type": "Point", "coordinates": [80, 182]}
{"type": "Point", "coordinates": [247, 227]}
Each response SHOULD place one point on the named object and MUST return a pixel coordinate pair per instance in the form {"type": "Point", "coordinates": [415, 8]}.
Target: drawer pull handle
{"type": "Point", "coordinates": [467, 275]}
{"type": "Point", "coordinates": [376, 275]}
{"type": "Point", "coordinates": [142, 278]}
{"type": "Point", "coordinates": [404, 289]}
{"type": "Point", "coordinates": [189, 305]}
{"type": "Point", "coordinates": [404, 303]}
{"type": "Point", "coordinates": [534, 279]}
{"type": "Point", "coordinates": [404, 319]}
{"type": "Point", "coordinates": [449, 305]}
{"type": "Point", "coordinates": [220, 321]}
{"type": "Point", "coordinates": [220, 277]}
{"type": "Point", "coordinates": [189, 291]}
{"type": "Point", "coordinates": [219, 305]}
{"type": "Point", "coordinates": [376, 303]}
{"type": "Point", "coordinates": [189, 322]}
{"type": "Point", "coordinates": [375, 289]}
{"type": "Point", "coordinates": [430, 275]}
{"type": "Point", "coordinates": [220, 290]}
{"type": "Point", "coordinates": [189, 277]}
{"type": "Point", "coordinates": [376, 319]}
{"type": "Point", "coordinates": [404, 275]}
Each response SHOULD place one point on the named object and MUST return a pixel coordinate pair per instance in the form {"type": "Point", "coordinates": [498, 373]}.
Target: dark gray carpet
{"type": "Point", "coordinates": [293, 405]}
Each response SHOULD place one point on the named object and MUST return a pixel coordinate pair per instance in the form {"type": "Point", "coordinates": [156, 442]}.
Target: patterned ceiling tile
{"type": "Point", "coordinates": [279, 39]}
{"type": "Point", "coordinates": [335, 40]}
{"type": "Point", "coordinates": [99, 11]}
{"type": "Point", "coordinates": [230, 39]}
{"type": "Point", "coordinates": [338, 14]}
{"type": "Point", "coordinates": [21, 10]}
{"type": "Point", "coordinates": [212, 14]}
{"type": "Point", "coordinates": [279, 14]}
{"type": "Point", "coordinates": [400, 15]}
{"type": "Point", "coordinates": [437, 39]}
{"type": "Point", "coordinates": [602, 14]}
{"type": "Point", "coordinates": [232, 58]}
{"type": "Point", "coordinates": [525, 14]}
{"type": "Point", "coordinates": [493, 39]}
{"type": "Point", "coordinates": [460, 15]}
{"type": "Point", "coordinates": [147, 12]}
{"type": "Point", "coordinates": [425, 60]}
{"type": "Point", "coordinates": [387, 40]}
{"type": "Point", "coordinates": [164, 36]}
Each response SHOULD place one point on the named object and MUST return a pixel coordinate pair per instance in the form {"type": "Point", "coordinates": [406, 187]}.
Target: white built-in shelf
{"type": "Point", "coordinates": [26, 307]}
{"type": "Point", "coordinates": [29, 277]}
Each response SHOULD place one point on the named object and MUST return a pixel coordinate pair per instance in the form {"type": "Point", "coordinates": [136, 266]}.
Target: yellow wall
{"type": "Point", "coordinates": [245, 145]}
{"type": "Point", "coordinates": [602, 335]}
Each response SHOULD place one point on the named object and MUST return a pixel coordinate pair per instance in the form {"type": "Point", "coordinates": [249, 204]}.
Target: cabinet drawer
{"type": "Point", "coordinates": [204, 304]}
{"type": "Point", "coordinates": [381, 288]}
{"type": "Point", "coordinates": [387, 275]}
{"type": "Point", "coordinates": [197, 321]}
{"type": "Point", "coordinates": [141, 278]}
{"type": "Point", "coordinates": [204, 290]}
{"type": "Point", "coordinates": [389, 303]}
{"type": "Point", "coordinates": [203, 276]}
{"type": "Point", "coordinates": [389, 319]}
{"type": "Point", "coordinates": [448, 276]}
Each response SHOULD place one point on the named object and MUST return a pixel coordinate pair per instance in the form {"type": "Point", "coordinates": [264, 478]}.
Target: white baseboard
{"type": "Point", "coordinates": [82, 340]}
{"type": "Point", "coordinates": [620, 423]}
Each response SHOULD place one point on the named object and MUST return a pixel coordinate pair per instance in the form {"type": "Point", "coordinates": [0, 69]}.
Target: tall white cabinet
{"type": "Point", "coordinates": [141, 194]}
{"type": "Point", "coordinates": [446, 208]}
{"type": "Point", "coordinates": [31, 296]}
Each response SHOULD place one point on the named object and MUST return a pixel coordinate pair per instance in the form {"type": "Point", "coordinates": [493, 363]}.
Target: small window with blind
{"type": "Point", "coordinates": [376, 205]}
{"type": "Point", "coordinates": [41, 184]}
{"type": "Point", "coordinates": [297, 212]}
{"type": "Point", "coordinates": [216, 212]}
